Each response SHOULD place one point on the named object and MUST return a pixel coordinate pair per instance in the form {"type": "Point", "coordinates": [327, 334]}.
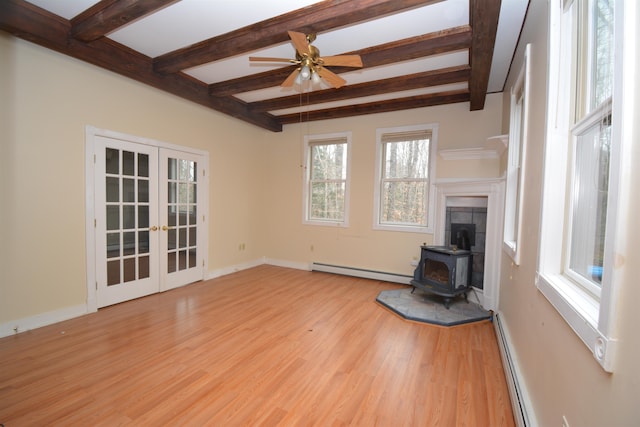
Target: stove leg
{"type": "Point", "coordinates": [413, 288]}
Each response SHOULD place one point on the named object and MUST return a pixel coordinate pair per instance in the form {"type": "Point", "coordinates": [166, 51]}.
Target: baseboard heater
{"type": "Point", "coordinates": [519, 401]}
{"type": "Point", "coordinates": [360, 272]}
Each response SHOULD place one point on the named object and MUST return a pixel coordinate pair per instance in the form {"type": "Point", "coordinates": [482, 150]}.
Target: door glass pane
{"type": "Point", "coordinates": [112, 161]}
{"type": "Point", "coordinates": [192, 258]}
{"type": "Point", "coordinates": [171, 216]}
{"type": "Point", "coordinates": [171, 262]}
{"type": "Point", "coordinates": [113, 272]}
{"type": "Point", "coordinates": [182, 260]}
{"type": "Point", "coordinates": [143, 265]}
{"type": "Point", "coordinates": [192, 193]}
{"type": "Point", "coordinates": [171, 238]}
{"type": "Point", "coordinates": [128, 190]}
{"type": "Point", "coordinates": [182, 217]}
{"type": "Point", "coordinates": [183, 237]}
{"type": "Point", "coordinates": [113, 245]}
{"type": "Point", "coordinates": [129, 265]}
{"type": "Point", "coordinates": [143, 191]}
{"type": "Point", "coordinates": [143, 242]}
{"type": "Point", "coordinates": [113, 217]}
{"type": "Point", "coordinates": [143, 165]}
{"type": "Point", "coordinates": [171, 170]}
{"type": "Point", "coordinates": [129, 243]}
{"type": "Point", "coordinates": [172, 195]}
{"type": "Point", "coordinates": [192, 236]}
{"type": "Point", "coordinates": [192, 215]}
{"type": "Point", "coordinates": [128, 217]}
{"type": "Point", "coordinates": [183, 170]}
{"type": "Point", "coordinates": [143, 216]}
{"type": "Point", "coordinates": [113, 189]}
{"type": "Point", "coordinates": [128, 163]}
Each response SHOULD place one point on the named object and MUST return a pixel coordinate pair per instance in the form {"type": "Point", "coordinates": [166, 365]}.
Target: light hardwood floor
{"type": "Point", "coordinates": [266, 346]}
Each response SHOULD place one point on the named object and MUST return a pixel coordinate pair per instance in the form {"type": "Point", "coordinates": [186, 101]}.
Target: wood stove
{"type": "Point", "coordinates": [444, 271]}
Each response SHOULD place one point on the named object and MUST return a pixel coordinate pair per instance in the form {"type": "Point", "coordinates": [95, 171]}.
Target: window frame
{"type": "Point", "coordinates": [431, 177]}
{"type": "Point", "coordinates": [516, 165]}
{"type": "Point", "coordinates": [309, 141]}
{"type": "Point", "coordinates": [591, 317]}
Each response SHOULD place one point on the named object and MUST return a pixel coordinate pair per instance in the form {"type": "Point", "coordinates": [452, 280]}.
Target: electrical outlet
{"type": "Point", "coordinates": [311, 248]}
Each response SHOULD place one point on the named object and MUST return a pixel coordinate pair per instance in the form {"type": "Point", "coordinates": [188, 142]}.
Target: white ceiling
{"type": "Point", "coordinates": [190, 21]}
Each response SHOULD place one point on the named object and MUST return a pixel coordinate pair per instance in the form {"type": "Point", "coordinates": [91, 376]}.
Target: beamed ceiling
{"type": "Point", "coordinates": [415, 53]}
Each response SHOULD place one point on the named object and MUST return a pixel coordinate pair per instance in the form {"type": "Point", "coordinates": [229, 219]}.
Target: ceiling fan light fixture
{"type": "Point", "coordinates": [305, 72]}
{"type": "Point", "coordinates": [315, 77]}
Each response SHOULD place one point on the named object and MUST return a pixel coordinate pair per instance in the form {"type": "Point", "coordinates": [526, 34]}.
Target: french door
{"type": "Point", "coordinates": [149, 217]}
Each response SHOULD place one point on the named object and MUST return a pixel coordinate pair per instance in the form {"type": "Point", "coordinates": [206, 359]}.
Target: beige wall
{"type": "Point", "coordinates": [561, 375]}
{"type": "Point", "coordinates": [47, 100]}
{"type": "Point", "coordinates": [359, 245]}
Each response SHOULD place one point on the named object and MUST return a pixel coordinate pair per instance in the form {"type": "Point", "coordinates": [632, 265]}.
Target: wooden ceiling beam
{"type": "Point", "coordinates": [109, 15]}
{"type": "Point", "coordinates": [315, 18]}
{"type": "Point", "coordinates": [439, 42]}
{"type": "Point", "coordinates": [441, 98]}
{"type": "Point", "coordinates": [32, 23]}
{"type": "Point", "coordinates": [431, 78]}
{"type": "Point", "coordinates": [484, 23]}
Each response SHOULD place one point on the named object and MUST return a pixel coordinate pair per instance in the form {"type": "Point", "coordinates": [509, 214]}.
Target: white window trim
{"type": "Point", "coordinates": [518, 135]}
{"type": "Point", "coordinates": [593, 320]}
{"type": "Point", "coordinates": [308, 140]}
{"type": "Point", "coordinates": [431, 203]}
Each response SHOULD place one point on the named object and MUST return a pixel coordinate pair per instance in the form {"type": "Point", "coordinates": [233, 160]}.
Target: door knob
{"type": "Point", "coordinates": [165, 228]}
{"type": "Point", "coordinates": [154, 228]}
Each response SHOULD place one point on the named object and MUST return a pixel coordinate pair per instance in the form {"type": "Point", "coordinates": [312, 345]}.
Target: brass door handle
{"type": "Point", "coordinates": [154, 228]}
{"type": "Point", "coordinates": [165, 228]}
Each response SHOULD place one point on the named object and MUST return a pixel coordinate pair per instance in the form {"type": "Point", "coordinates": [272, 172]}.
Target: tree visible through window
{"type": "Point", "coordinates": [404, 177]}
{"type": "Point", "coordinates": [326, 184]}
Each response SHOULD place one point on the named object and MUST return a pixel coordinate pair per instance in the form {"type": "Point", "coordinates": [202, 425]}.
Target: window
{"type": "Point", "coordinates": [516, 163]}
{"type": "Point", "coordinates": [585, 186]}
{"type": "Point", "coordinates": [405, 178]}
{"type": "Point", "coordinates": [326, 179]}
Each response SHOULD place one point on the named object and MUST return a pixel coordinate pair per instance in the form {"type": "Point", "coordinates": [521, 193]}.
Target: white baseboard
{"type": "Point", "coordinates": [521, 404]}
{"type": "Point", "coordinates": [234, 268]}
{"type": "Point", "coordinates": [40, 320]}
{"type": "Point", "coordinates": [359, 272]}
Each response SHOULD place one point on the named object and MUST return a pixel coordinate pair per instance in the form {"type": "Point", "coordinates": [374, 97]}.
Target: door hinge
{"type": "Point", "coordinates": [94, 158]}
{"type": "Point", "coordinates": [203, 263]}
{"type": "Point", "coordinates": [95, 223]}
{"type": "Point", "coordinates": [203, 218]}
{"type": "Point", "coordinates": [96, 285]}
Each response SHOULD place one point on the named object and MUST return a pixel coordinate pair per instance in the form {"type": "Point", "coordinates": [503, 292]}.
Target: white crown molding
{"type": "Point", "coordinates": [493, 149]}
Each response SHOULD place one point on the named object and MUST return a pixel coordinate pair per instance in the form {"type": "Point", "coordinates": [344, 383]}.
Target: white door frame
{"type": "Point", "coordinates": [493, 189]}
{"type": "Point", "coordinates": [90, 239]}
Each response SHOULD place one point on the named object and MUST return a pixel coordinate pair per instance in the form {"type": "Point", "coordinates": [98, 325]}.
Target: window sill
{"type": "Point", "coordinates": [404, 228]}
{"type": "Point", "coordinates": [581, 311]}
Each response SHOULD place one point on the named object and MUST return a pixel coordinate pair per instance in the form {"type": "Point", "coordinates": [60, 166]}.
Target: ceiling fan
{"type": "Point", "coordinates": [311, 64]}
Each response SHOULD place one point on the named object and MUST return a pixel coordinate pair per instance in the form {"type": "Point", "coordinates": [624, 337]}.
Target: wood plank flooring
{"type": "Point", "coordinates": [267, 346]}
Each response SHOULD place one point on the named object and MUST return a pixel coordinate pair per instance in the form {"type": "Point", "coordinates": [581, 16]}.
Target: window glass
{"type": "Point", "coordinates": [326, 180]}
{"type": "Point", "coordinates": [404, 181]}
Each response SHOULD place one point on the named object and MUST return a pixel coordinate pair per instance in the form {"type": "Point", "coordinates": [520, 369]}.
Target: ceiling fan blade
{"type": "Point", "coordinates": [288, 82]}
{"type": "Point", "coordinates": [268, 59]}
{"type": "Point", "coordinates": [332, 78]}
{"type": "Point", "coordinates": [300, 42]}
{"type": "Point", "coordinates": [342, 60]}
